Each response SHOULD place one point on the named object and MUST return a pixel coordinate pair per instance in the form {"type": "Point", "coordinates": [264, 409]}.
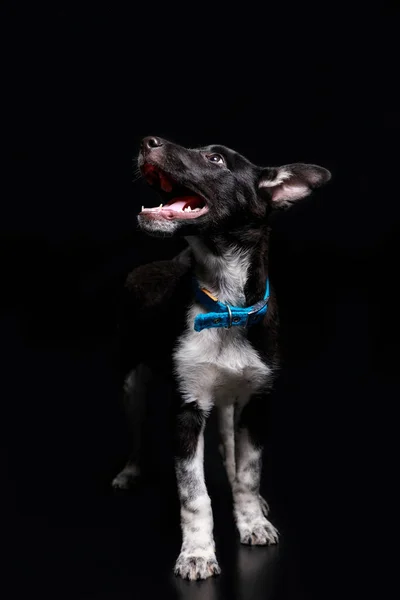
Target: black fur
{"type": "Point", "coordinates": [189, 421]}
{"type": "Point", "coordinates": [239, 197]}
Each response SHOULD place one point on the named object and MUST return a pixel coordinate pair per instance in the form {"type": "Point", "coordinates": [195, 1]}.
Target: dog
{"type": "Point", "coordinates": [221, 326]}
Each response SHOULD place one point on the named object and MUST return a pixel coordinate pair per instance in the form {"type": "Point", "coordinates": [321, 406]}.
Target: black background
{"type": "Point", "coordinates": [81, 91]}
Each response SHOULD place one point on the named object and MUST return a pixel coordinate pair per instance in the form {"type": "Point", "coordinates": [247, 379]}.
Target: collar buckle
{"type": "Point", "coordinates": [229, 316]}
{"type": "Point", "coordinates": [258, 306]}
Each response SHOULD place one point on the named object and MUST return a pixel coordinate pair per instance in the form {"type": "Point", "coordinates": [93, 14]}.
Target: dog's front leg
{"type": "Point", "coordinates": [197, 558]}
{"type": "Point", "coordinates": [250, 514]}
{"type": "Point", "coordinates": [226, 422]}
{"type": "Point", "coordinates": [227, 433]}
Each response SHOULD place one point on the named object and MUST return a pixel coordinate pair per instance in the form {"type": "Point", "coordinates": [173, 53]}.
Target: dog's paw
{"type": "Point", "coordinates": [259, 532]}
{"type": "Point", "coordinates": [264, 505]}
{"type": "Point", "coordinates": [194, 567]}
{"type": "Point", "coordinates": [124, 481]}
{"type": "Point", "coordinates": [127, 478]}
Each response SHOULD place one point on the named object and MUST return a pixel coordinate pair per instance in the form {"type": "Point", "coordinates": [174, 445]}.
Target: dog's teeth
{"type": "Point", "coordinates": [188, 208]}
{"type": "Point", "coordinates": [142, 208]}
{"type": "Point", "coordinates": [160, 206]}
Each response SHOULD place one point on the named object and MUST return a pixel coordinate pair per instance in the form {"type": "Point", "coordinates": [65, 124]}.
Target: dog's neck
{"type": "Point", "coordinates": [236, 275]}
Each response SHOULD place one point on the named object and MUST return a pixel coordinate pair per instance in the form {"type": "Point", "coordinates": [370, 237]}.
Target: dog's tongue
{"type": "Point", "coordinates": [184, 202]}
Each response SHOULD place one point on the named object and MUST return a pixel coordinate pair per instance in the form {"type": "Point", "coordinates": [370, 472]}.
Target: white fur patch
{"type": "Point", "coordinates": [219, 365]}
{"type": "Point", "coordinates": [158, 226]}
{"type": "Point", "coordinates": [224, 276]}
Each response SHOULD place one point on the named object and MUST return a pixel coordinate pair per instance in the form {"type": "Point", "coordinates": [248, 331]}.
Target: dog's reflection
{"type": "Point", "coordinates": [254, 577]}
{"type": "Point", "coordinates": [256, 572]}
{"type": "Point", "coordinates": [210, 589]}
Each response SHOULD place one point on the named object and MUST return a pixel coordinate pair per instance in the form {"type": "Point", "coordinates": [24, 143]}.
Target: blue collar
{"type": "Point", "coordinates": [224, 315]}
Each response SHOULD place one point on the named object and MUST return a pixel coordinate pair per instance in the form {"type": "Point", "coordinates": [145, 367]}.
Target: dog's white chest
{"type": "Point", "coordinates": [218, 365]}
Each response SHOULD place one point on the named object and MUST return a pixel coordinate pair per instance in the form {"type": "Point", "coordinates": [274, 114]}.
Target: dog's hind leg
{"type": "Point", "coordinates": [134, 397]}
{"type": "Point", "coordinates": [226, 422]}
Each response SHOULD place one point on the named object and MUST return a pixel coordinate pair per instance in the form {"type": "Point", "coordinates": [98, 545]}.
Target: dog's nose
{"type": "Point", "coordinates": [148, 143]}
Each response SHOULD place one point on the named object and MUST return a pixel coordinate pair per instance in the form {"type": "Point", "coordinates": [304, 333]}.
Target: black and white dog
{"type": "Point", "coordinates": [222, 329]}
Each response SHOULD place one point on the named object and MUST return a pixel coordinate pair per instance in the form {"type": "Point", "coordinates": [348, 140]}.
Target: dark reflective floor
{"type": "Point", "coordinates": [66, 531]}
{"type": "Point", "coordinates": [125, 547]}
{"type": "Point", "coordinates": [67, 534]}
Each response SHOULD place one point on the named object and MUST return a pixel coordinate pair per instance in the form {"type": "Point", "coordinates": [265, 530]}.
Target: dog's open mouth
{"type": "Point", "coordinates": [179, 201]}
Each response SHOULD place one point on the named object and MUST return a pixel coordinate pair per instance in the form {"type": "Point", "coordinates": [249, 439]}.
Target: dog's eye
{"type": "Point", "coordinates": [215, 158]}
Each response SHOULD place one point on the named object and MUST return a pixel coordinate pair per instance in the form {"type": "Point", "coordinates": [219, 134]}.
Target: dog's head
{"type": "Point", "coordinates": [214, 189]}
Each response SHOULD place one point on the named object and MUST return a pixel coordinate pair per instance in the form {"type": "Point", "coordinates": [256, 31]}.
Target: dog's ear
{"type": "Point", "coordinates": [284, 185]}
